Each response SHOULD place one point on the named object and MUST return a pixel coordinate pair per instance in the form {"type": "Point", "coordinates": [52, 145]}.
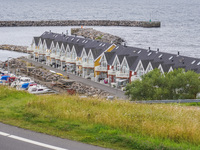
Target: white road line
{"type": "Point", "coordinates": [4, 134]}
{"type": "Point", "coordinates": [31, 141]}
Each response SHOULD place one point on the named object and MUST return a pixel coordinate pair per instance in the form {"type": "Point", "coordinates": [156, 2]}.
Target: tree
{"type": "Point", "coordinates": [154, 85]}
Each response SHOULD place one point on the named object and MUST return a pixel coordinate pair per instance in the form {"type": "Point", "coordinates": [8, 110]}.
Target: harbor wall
{"type": "Point", "coordinates": [146, 24]}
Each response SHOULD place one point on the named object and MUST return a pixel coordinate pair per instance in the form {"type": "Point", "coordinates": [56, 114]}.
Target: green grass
{"type": "Point", "coordinates": [190, 104]}
{"type": "Point", "coordinates": [112, 124]}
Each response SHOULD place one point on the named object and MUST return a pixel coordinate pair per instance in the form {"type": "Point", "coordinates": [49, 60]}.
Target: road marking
{"type": "Point", "coordinates": [31, 141]}
{"type": "Point", "coordinates": [4, 134]}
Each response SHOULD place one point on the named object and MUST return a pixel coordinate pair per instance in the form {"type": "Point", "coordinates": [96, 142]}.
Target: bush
{"type": "Point", "coordinates": [154, 85]}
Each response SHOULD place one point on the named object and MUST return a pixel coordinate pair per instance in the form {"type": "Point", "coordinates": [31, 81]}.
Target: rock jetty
{"type": "Point", "coordinates": [97, 35]}
{"type": "Point", "coordinates": [16, 48]}
{"type": "Point", "coordinates": [145, 24]}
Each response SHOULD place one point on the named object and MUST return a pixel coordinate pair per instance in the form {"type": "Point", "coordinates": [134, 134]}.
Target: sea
{"type": "Point", "coordinates": [179, 31]}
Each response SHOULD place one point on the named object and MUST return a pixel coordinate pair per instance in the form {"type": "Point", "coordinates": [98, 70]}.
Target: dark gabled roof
{"type": "Point", "coordinates": [131, 60]}
{"type": "Point", "coordinates": [166, 67]}
{"type": "Point", "coordinates": [48, 42]}
{"type": "Point", "coordinates": [121, 57]}
{"type": "Point", "coordinates": [36, 40]}
{"type": "Point", "coordinates": [70, 46]}
{"type": "Point", "coordinates": [156, 64]}
{"type": "Point", "coordinates": [78, 49]}
{"type": "Point", "coordinates": [60, 44]}
{"type": "Point", "coordinates": [65, 45]}
{"type": "Point", "coordinates": [96, 53]}
{"type": "Point", "coordinates": [145, 63]}
{"type": "Point", "coordinates": [87, 50]}
{"type": "Point", "coordinates": [47, 35]}
{"type": "Point", "coordinates": [109, 56]}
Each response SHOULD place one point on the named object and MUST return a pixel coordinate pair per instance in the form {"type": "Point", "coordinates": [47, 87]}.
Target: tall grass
{"type": "Point", "coordinates": [8, 92]}
{"type": "Point", "coordinates": [177, 123]}
{"type": "Point", "coordinates": [114, 124]}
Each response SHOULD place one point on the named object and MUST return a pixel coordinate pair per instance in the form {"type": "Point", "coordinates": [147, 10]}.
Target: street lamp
{"type": "Point", "coordinates": [8, 63]}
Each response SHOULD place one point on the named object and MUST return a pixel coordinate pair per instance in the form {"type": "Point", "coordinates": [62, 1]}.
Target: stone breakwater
{"type": "Point", "coordinates": [22, 49]}
{"type": "Point", "coordinates": [145, 24]}
{"type": "Point", "coordinates": [97, 35]}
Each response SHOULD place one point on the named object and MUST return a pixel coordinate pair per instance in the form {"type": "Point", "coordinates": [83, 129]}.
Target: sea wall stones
{"type": "Point", "coordinates": [16, 48]}
{"type": "Point", "coordinates": [146, 24]}
{"type": "Point", "coordinates": [96, 35]}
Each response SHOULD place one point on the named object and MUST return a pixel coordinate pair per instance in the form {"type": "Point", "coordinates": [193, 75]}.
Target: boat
{"type": "Point", "coordinates": [24, 86]}
{"type": "Point", "coordinates": [4, 79]}
{"type": "Point", "coordinates": [23, 83]}
{"type": "Point", "coordinates": [39, 90]}
{"type": "Point", "coordinates": [7, 80]}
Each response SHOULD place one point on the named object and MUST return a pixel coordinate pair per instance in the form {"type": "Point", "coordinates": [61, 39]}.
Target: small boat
{"type": "Point", "coordinates": [23, 83]}
{"type": "Point", "coordinates": [4, 79]}
{"type": "Point", "coordinates": [24, 86]}
{"type": "Point", "coordinates": [16, 83]}
{"type": "Point", "coordinates": [39, 90]}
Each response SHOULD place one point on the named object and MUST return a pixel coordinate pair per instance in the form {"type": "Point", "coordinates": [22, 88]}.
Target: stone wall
{"type": "Point", "coordinates": [16, 48]}
{"type": "Point", "coordinates": [97, 35]}
{"type": "Point", "coordinates": [146, 24]}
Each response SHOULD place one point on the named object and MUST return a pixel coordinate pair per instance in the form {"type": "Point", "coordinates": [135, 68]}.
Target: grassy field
{"type": "Point", "coordinates": [113, 124]}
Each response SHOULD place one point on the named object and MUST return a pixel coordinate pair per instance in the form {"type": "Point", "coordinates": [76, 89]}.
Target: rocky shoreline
{"type": "Point", "coordinates": [16, 48]}
{"type": "Point", "coordinates": [145, 24]}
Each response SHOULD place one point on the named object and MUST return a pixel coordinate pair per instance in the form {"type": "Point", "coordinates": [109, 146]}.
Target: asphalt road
{"type": "Point", "coordinates": [113, 91]}
{"type": "Point", "coordinates": [14, 138]}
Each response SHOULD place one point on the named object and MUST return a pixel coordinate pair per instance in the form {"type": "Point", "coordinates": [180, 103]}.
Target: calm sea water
{"type": "Point", "coordinates": [180, 30]}
{"type": "Point", "coordinates": [4, 55]}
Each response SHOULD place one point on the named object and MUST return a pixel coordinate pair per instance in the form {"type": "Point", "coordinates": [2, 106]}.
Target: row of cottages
{"type": "Point", "coordinates": [125, 64]}
{"type": "Point", "coordinates": [69, 53]}
{"type": "Point", "coordinates": [104, 62]}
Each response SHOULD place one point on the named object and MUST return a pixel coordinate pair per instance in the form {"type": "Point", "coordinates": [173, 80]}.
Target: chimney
{"type": "Point", "coordinates": [183, 60]}
{"type": "Point", "coordinates": [157, 49]}
{"type": "Point", "coordinates": [178, 54]}
{"type": "Point", "coordinates": [124, 44]}
{"type": "Point", "coordinates": [49, 31]}
{"type": "Point", "coordinates": [149, 49]}
{"type": "Point", "coordinates": [66, 32]}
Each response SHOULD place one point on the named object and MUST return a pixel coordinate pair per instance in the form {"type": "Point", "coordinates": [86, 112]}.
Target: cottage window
{"type": "Point", "coordinates": [140, 71]}
{"type": "Point", "coordinates": [73, 56]}
{"type": "Point", "coordinates": [103, 62]}
{"type": "Point", "coordinates": [58, 51]}
{"type": "Point", "coordinates": [90, 60]}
